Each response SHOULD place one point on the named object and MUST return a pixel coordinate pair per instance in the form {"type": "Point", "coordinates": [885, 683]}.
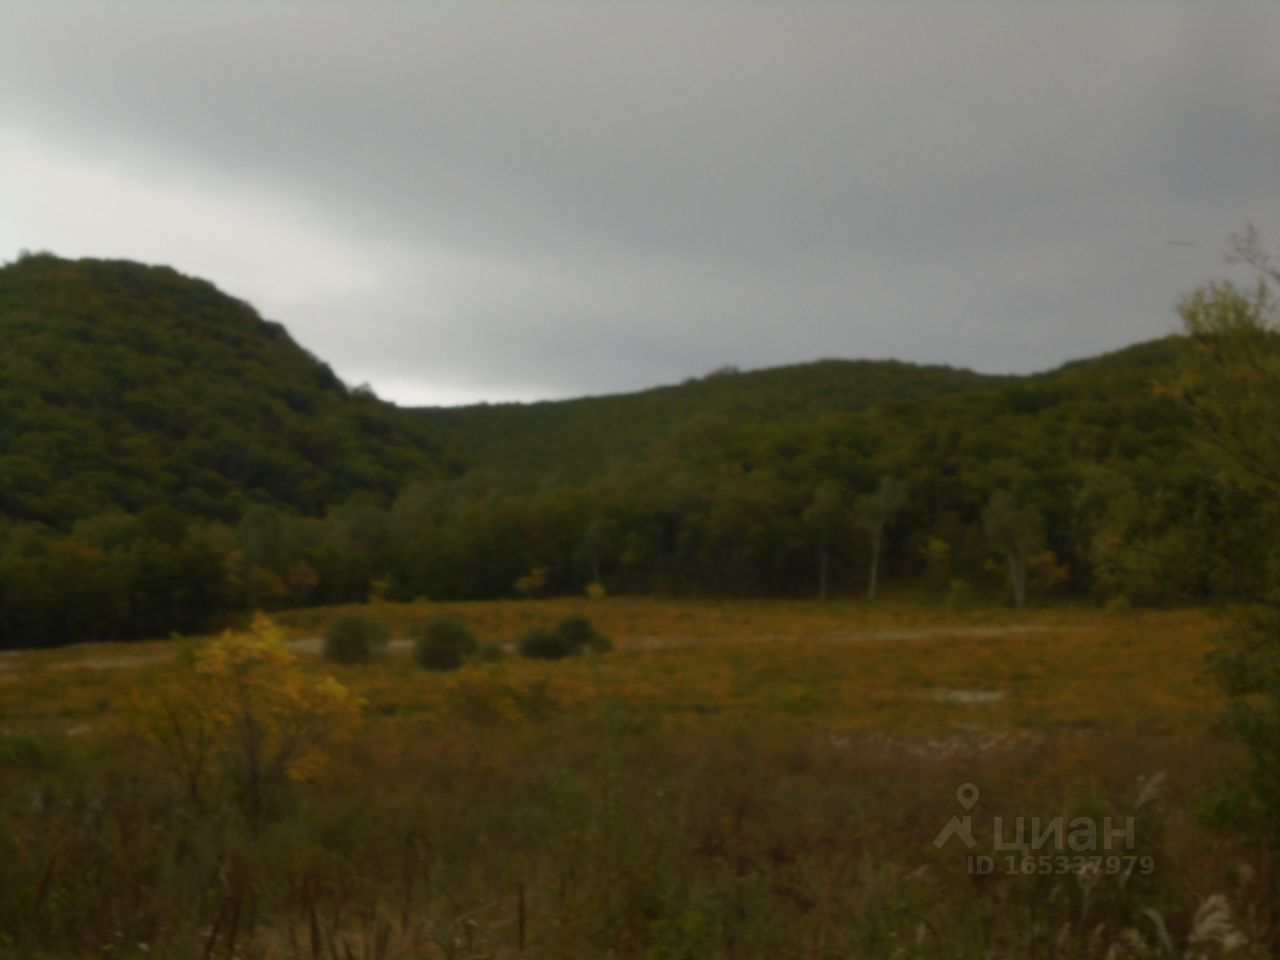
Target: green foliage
{"type": "Point", "coordinates": [1232, 387]}
{"type": "Point", "coordinates": [581, 635]}
{"type": "Point", "coordinates": [126, 386]}
{"type": "Point", "coordinates": [172, 460]}
{"type": "Point", "coordinates": [521, 446]}
{"type": "Point", "coordinates": [825, 516]}
{"type": "Point", "coordinates": [544, 643]}
{"type": "Point", "coordinates": [1120, 603]}
{"type": "Point", "coordinates": [573, 636]}
{"type": "Point", "coordinates": [355, 637]}
{"type": "Point", "coordinates": [443, 643]}
{"type": "Point", "coordinates": [1017, 532]}
{"type": "Point", "coordinates": [1232, 383]}
{"type": "Point", "coordinates": [242, 718]}
{"type": "Point", "coordinates": [872, 514]}
{"type": "Point", "coordinates": [1178, 532]}
{"type": "Point", "coordinates": [961, 596]}
{"type": "Point", "coordinates": [530, 584]}
{"type": "Point", "coordinates": [627, 831]}
{"type": "Point", "coordinates": [936, 553]}
{"type": "Point", "coordinates": [1247, 668]}
{"type": "Point", "coordinates": [30, 752]}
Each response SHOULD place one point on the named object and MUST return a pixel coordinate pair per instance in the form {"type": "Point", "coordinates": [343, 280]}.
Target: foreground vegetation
{"type": "Point", "coordinates": [733, 780]}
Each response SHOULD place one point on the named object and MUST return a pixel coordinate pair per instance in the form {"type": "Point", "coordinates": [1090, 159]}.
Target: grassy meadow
{"type": "Point", "coordinates": [745, 779]}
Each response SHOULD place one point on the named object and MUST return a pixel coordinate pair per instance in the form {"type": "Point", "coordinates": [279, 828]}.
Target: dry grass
{"type": "Point", "coordinates": [734, 780]}
{"type": "Point", "coordinates": [857, 669]}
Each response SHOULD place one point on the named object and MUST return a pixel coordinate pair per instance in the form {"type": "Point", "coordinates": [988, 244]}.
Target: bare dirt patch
{"type": "Point", "coordinates": [966, 696]}
{"type": "Point", "coordinates": [666, 641]}
{"type": "Point", "coordinates": [108, 662]}
{"type": "Point", "coordinates": [932, 633]}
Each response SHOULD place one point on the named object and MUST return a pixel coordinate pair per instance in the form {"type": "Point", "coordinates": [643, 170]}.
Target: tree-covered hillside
{"type": "Point", "coordinates": [124, 386]}
{"type": "Point", "coordinates": [168, 460]}
{"type": "Point", "coordinates": [752, 505]}
{"type": "Point", "coordinates": [523, 446]}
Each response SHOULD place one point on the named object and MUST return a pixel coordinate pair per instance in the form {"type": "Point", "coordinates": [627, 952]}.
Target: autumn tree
{"type": "Point", "coordinates": [1232, 383]}
{"type": "Point", "coordinates": [591, 549]}
{"type": "Point", "coordinates": [240, 713]}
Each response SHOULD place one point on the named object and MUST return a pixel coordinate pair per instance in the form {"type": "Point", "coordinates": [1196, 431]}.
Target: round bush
{"type": "Point", "coordinates": [579, 634]}
{"type": "Point", "coordinates": [576, 631]}
{"type": "Point", "coordinates": [354, 638]}
{"type": "Point", "coordinates": [443, 643]}
{"type": "Point", "coordinates": [449, 631]}
{"type": "Point", "coordinates": [542, 643]}
{"type": "Point", "coordinates": [599, 643]}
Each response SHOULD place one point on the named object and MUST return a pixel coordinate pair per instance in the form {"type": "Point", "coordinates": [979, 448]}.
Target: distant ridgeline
{"type": "Point", "coordinates": [168, 459]}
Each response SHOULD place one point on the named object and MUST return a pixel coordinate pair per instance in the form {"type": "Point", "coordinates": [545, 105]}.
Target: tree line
{"type": "Point", "coordinates": [1085, 481]}
{"type": "Point", "coordinates": [761, 524]}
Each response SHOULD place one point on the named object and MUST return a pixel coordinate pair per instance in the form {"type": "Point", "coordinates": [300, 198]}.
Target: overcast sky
{"type": "Point", "coordinates": [457, 202]}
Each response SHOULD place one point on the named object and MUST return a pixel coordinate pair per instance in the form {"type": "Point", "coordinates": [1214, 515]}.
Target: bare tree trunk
{"type": "Point", "coordinates": [823, 569]}
{"type": "Point", "coordinates": [875, 564]}
{"type": "Point", "coordinates": [1018, 578]}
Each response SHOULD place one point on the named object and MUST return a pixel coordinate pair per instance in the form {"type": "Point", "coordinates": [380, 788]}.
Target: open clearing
{"type": "Point", "coordinates": [850, 666]}
{"type": "Point", "coordinates": [734, 779]}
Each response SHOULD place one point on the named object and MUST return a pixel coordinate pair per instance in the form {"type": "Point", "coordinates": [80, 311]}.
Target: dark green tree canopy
{"type": "Point", "coordinates": [168, 458]}
{"type": "Point", "coordinates": [124, 386]}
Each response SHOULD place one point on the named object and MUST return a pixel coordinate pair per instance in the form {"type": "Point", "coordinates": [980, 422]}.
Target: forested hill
{"type": "Point", "coordinates": [168, 460]}
{"type": "Point", "coordinates": [125, 386]}
{"type": "Point", "coordinates": [519, 446]}
{"type": "Point", "coordinates": [838, 419]}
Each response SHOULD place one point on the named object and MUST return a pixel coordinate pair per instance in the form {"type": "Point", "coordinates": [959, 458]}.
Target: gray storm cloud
{"type": "Point", "coordinates": [464, 201]}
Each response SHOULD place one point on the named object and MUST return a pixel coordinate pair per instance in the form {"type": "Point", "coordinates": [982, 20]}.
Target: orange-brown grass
{"type": "Point", "coordinates": [854, 667]}
{"type": "Point", "coordinates": [734, 780]}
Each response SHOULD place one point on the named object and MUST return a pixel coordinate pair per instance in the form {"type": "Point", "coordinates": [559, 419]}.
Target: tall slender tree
{"type": "Point", "coordinates": [825, 515]}
{"type": "Point", "coordinates": [1017, 531]}
{"type": "Point", "coordinates": [872, 513]}
{"type": "Point", "coordinates": [1232, 388]}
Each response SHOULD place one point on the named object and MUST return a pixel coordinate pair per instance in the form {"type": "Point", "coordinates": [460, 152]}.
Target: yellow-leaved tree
{"type": "Point", "coordinates": [241, 714]}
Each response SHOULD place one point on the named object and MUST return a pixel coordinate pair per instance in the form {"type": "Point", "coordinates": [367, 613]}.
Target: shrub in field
{"type": "Point", "coordinates": [21, 750]}
{"type": "Point", "coordinates": [599, 643]}
{"type": "Point", "coordinates": [354, 638]}
{"type": "Point", "coordinates": [443, 643]}
{"type": "Point", "coordinates": [543, 643]}
{"type": "Point", "coordinates": [582, 635]}
{"type": "Point", "coordinates": [241, 713]}
{"type": "Point", "coordinates": [574, 635]}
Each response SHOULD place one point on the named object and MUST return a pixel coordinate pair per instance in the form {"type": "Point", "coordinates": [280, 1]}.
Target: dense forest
{"type": "Point", "coordinates": [169, 460]}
